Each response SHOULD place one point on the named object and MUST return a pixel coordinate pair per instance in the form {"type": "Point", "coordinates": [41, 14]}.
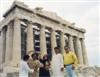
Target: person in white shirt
{"type": "Point", "coordinates": [57, 64]}
{"type": "Point", "coordinates": [24, 68]}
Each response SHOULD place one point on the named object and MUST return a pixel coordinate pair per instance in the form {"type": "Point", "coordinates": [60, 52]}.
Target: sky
{"type": "Point", "coordinates": [85, 13]}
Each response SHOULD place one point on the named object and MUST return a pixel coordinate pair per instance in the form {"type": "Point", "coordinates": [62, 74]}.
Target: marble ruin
{"type": "Point", "coordinates": [24, 29]}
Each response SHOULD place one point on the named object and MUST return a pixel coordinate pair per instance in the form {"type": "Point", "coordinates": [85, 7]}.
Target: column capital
{"type": "Point", "coordinates": [4, 28]}
{"type": "Point", "coordinates": [16, 18]}
{"type": "Point", "coordinates": [82, 38]}
{"type": "Point", "coordinates": [51, 30]}
{"type": "Point", "coordinates": [67, 34]}
{"type": "Point", "coordinates": [77, 37]}
{"type": "Point", "coordinates": [42, 26]}
{"type": "Point", "coordinates": [59, 31]}
{"type": "Point", "coordinates": [62, 32]}
{"type": "Point", "coordinates": [71, 36]}
{"type": "Point", "coordinates": [28, 22]}
{"type": "Point", "coordinates": [9, 23]}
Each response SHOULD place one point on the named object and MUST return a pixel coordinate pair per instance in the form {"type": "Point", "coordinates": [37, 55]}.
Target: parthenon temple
{"type": "Point", "coordinates": [24, 29]}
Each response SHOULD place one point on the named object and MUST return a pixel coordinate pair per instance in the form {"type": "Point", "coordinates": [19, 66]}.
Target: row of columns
{"type": "Point", "coordinates": [11, 43]}
{"type": "Point", "coordinates": [15, 45]}
{"type": "Point", "coordinates": [79, 45]}
{"type": "Point", "coordinates": [30, 38]}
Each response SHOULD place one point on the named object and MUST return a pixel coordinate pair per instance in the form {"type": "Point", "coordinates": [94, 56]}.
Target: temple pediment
{"type": "Point", "coordinates": [43, 13]}
{"type": "Point", "coordinates": [37, 10]}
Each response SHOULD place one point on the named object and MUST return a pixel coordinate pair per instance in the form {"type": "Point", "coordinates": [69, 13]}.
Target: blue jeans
{"type": "Point", "coordinates": [70, 71]}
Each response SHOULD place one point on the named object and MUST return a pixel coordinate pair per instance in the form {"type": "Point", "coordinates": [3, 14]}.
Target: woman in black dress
{"type": "Point", "coordinates": [44, 71]}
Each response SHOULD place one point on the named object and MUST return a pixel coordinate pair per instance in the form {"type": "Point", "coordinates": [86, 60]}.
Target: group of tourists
{"type": "Point", "coordinates": [35, 65]}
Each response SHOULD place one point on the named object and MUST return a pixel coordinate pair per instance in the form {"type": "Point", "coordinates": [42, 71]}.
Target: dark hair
{"type": "Point", "coordinates": [48, 59]}
{"type": "Point", "coordinates": [56, 48]}
{"type": "Point", "coordinates": [35, 54]}
{"type": "Point", "coordinates": [25, 57]}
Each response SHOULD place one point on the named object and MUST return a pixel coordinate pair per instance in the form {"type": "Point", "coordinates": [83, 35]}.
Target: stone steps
{"type": "Point", "coordinates": [81, 72]}
{"type": "Point", "coordinates": [88, 72]}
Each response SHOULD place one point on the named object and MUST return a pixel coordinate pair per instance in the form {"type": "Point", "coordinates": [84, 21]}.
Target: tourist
{"type": "Point", "coordinates": [24, 68]}
{"type": "Point", "coordinates": [57, 63]}
{"type": "Point", "coordinates": [35, 64]}
{"type": "Point", "coordinates": [70, 62]}
{"type": "Point", "coordinates": [44, 71]}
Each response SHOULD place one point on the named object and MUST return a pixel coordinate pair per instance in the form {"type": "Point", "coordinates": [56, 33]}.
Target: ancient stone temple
{"type": "Point", "coordinates": [24, 29]}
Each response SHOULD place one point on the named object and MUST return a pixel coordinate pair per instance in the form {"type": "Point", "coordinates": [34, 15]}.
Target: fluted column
{"type": "Point", "coordinates": [62, 42]}
{"type": "Point", "coordinates": [9, 39]}
{"type": "Point", "coordinates": [70, 43]}
{"type": "Point", "coordinates": [0, 49]}
{"type": "Point", "coordinates": [30, 37]}
{"type": "Point", "coordinates": [43, 48]}
{"type": "Point", "coordinates": [79, 50]}
{"type": "Point", "coordinates": [3, 44]}
{"type": "Point", "coordinates": [85, 59]}
{"type": "Point", "coordinates": [53, 40]}
{"type": "Point", "coordinates": [16, 42]}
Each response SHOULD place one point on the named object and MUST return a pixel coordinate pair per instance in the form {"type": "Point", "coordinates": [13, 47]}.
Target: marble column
{"type": "Point", "coordinates": [79, 50]}
{"type": "Point", "coordinates": [1, 47]}
{"type": "Point", "coordinates": [85, 59]}
{"type": "Point", "coordinates": [43, 48]}
{"type": "Point", "coordinates": [8, 43]}
{"type": "Point", "coordinates": [62, 42]}
{"type": "Point", "coordinates": [70, 43]}
{"type": "Point", "coordinates": [53, 40]}
{"type": "Point", "coordinates": [3, 44]}
{"type": "Point", "coordinates": [2, 52]}
{"type": "Point", "coordinates": [30, 37]}
{"type": "Point", "coordinates": [16, 42]}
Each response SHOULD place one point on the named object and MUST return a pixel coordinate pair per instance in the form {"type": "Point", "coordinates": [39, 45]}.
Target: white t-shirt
{"type": "Point", "coordinates": [24, 69]}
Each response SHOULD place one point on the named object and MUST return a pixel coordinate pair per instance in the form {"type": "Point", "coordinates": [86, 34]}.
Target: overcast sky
{"type": "Point", "coordinates": [85, 13]}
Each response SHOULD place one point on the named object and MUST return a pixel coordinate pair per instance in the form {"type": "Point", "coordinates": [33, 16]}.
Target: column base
{"type": "Point", "coordinates": [8, 70]}
{"type": "Point", "coordinates": [10, 67]}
